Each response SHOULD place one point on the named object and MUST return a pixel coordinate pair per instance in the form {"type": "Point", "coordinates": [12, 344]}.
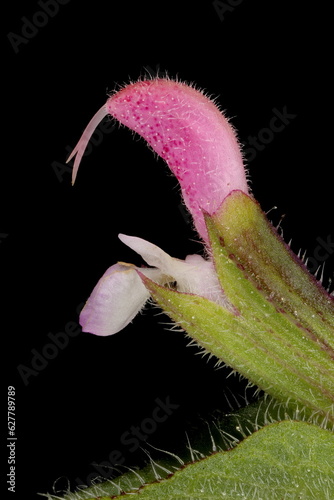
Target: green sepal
{"type": "Point", "coordinates": [253, 351]}
{"type": "Point", "coordinates": [285, 351]}
{"type": "Point", "coordinates": [255, 246]}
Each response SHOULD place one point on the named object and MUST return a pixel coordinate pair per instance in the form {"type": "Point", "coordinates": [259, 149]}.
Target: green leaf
{"type": "Point", "coordinates": [290, 460]}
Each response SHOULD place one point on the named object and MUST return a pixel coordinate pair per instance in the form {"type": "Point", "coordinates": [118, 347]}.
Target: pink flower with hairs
{"type": "Point", "coordinates": [188, 131]}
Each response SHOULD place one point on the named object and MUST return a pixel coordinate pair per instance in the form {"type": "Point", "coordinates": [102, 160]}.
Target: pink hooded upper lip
{"type": "Point", "coordinates": [189, 132]}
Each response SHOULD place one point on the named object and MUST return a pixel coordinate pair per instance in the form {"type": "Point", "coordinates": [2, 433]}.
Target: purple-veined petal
{"type": "Point", "coordinates": [193, 275]}
{"type": "Point", "coordinates": [189, 132]}
{"type": "Point", "coordinates": [116, 299]}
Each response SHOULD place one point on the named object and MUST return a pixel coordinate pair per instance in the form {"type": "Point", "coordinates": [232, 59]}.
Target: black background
{"type": "Point", "coordinates": [60, 239]}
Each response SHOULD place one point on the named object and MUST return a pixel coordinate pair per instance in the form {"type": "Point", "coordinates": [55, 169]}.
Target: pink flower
{"type": "Point", "coordinates": [200, 147]}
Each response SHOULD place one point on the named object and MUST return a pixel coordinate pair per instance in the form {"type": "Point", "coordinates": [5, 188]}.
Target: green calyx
{"type": "Point", "coordinates": [279, 332]}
